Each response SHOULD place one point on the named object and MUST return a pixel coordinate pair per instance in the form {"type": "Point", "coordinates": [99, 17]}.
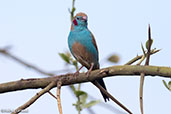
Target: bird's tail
{"type": "Point", "coordinates": [101, 82]}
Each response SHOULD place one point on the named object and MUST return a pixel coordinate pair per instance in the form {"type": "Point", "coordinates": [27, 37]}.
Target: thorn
{"type": "Point", "coordinates": [149, 32]}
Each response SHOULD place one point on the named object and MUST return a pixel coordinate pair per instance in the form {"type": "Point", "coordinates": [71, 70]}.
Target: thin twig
{"type": "Point", "coordinates": [59, 83]}
{"type": "Point", "coordinates": [73, 10]}
{"type": "Point", "coordinates": [111, 97]}
{"type": "Point", "coordinates": [141, 91]}
{"type": "Point", "coordinates": [17, 59]}
{"type": "Point", "coordinates": [139, 57]}
{"type": "Point", "coordinates": [34, 98]}
{"type": "Point", "coordinates": [4, 51]}
{"type": "Point", "coordinates": [52, 95]}
{"type": "Point", "coordinates": [143, 74]}
{"type": "Point", "coordinates": [133, 60]}
{"type": "Point", "coordinates": [110, 107]}
{"type": "Point", "coordinates": [141, 60]}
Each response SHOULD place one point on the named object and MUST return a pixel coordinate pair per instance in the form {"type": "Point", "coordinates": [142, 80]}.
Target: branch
{"type": "Point", "coordinates": [68, 79]}
{"type": "Point", "coordinates": [52, 95]}
{"type": "Point", "coordinates": [149, 42]}
{"type": "Point", "coordinates": [22, 62]}
{"type": "Point", "coordinates": [149, 46]}
{"type": "Point", "coordinates": [141, 91]}
{"type": "Point", "coordinates": [58, 96]}
{"type": "Point", "coordinates": [73, 10]}
{"type": "Point", "coordinates": [33, 99]}
{"type": "Point", "coordinates": [139, 57]}
{"type": "Point", "coordinates": [111, 97]}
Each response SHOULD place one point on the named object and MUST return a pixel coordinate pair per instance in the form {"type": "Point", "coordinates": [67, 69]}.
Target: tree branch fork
{"type": "Point", "coordinates": [67, 79]}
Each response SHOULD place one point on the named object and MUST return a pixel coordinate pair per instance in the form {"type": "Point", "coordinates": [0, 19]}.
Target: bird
{"type": "Point", "coordinates": [83, 47]}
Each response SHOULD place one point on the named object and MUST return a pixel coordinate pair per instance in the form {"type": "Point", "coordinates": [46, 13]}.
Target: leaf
{"type": "Point", "coordinates": [147, 43]}
{"type": "Point", "coordinates": [74, 62]}
{"type": "Point", "coordinates": [167, 86]}
{"type": "Point", "coordinates": [68, 54]}
{"type": "Point", "coordinates": [77, 106]}
{"type": "Point", "coordinates": [74, 104]}
{"type": "Point", "coordinates": [65, 57]}
{"type": "Point", "coordinates": [114, 58]}
{"type": "Point", "coordinates": [83, 98]}
{"type": "Point", "coordinates": [79, 93]}
{"type": "Point", "coordinates": [91, 103]}
{"type": "Point", "coordinates": [73, 88]}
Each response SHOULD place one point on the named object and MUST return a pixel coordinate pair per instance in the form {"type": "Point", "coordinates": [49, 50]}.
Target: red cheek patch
{"type": "Point", "coordinates": [75, 22]}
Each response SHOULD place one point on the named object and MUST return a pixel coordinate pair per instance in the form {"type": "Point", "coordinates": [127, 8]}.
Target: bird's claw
{"type": "Point", "coordinates": [91, 67]}
{"type": "Point", "coordinates": [76, 73]}
{"type": "Point", "coordinates": [88, 73]}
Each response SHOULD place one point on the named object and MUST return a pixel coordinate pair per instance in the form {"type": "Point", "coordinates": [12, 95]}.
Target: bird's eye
{"type": "Point", "coordinates": [78, 18]}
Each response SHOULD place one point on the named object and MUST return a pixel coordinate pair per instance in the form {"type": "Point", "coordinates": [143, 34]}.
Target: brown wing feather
{"type": "Point", "coordinates": [94, 41]}
{"type": "Point", "coordinates": [82, 55]}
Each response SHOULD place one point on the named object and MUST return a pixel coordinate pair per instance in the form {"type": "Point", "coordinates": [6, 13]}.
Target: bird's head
{"type": "Point", "coordinates": [79, 21]}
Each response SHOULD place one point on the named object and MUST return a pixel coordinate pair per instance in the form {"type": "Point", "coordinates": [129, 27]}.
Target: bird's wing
{"type": "Point", "coordinates": [82, 55]}
{"type": "Point", "coordinates": [94, 41]}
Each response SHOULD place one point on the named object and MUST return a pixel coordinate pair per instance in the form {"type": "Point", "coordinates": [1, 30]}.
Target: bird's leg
{"type": "Point", "coordinates": [78, 71]}
{"type": "Point", "coordinates": [91, 67]}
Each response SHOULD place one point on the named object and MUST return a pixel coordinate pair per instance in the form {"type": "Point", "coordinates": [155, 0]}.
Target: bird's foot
{"type": "Point", "coordinates": [78, 71]}
{"type": "Point", "coordinates": [88, 72]}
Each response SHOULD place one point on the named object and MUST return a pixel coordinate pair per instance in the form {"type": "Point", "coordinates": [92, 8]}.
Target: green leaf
{"type": "Point", "coordinates": [83, 98]}
{"type": "Point", "coordinates": [167, 86]}
{"type": "Point", "coordinates": [147, 43]}
{"type": "Point", "coordinates": [73, 88]}
{"type": "Point", "coordinates": [114, 58]}
{"type": "Point", "coordinates": [79, 93]}
{"type": "Point", "coordinates": [74, 104]}
{"type": "Point", "coordinates": [74, 62]}
{"type": "Point", "coordinates": [77, 106]}
{"type": "Point", "coordinates": [65, 57]}
{"type": "Point", "coordinates": [91, 103]}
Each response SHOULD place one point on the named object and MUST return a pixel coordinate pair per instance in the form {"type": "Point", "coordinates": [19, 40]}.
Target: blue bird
{"type": "Point", "coordinates": [83, 46]}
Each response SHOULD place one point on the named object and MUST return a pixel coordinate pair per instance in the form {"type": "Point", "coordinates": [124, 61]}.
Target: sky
{"type": "Point", "coordinates": [37, 31]}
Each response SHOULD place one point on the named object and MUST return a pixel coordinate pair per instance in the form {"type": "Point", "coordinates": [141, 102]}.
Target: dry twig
{"type": "Point", "coordinates": [22, 62]}
{"type": "Point", "coordinates": [139, 57]}
{"type": "Point", "coordinates": [52, 95]}
{"type": "Point", "coordinates": [111, 97]}
{"type": "Point", "coordinates": [34, 98]}
{"type": "Point", "coordinates": [59, 83]}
